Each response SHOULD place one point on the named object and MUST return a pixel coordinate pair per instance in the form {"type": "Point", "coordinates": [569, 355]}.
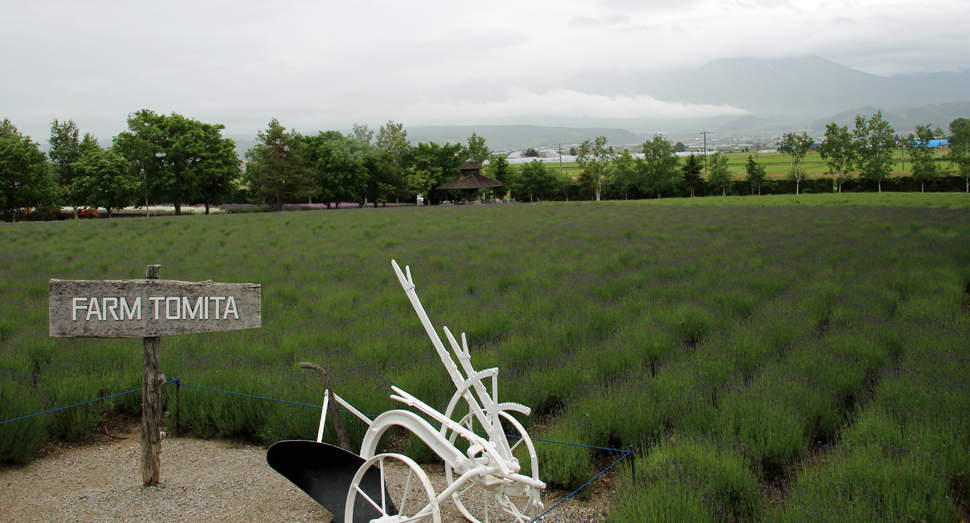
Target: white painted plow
{"type": "Point", "coordinates": [485, 482]}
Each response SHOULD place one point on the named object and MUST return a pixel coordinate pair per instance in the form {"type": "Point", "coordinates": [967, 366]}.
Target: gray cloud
{"type": "Point", "coordinates": [321, 65]}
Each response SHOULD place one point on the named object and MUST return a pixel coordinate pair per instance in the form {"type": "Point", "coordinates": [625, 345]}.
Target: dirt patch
{"type": "Point", "coordinates": [98, 478]}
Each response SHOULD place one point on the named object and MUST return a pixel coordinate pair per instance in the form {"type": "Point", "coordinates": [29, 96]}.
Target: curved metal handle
{"type": "Point", "coordinates": [331, 406]}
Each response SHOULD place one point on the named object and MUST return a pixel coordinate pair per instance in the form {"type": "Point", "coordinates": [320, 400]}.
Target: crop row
{"type": "Point", "coordinates": [750, 352]}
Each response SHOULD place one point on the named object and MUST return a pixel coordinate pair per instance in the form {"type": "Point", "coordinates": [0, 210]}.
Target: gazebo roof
{"type": "Point", "coordinates": [469, 166]}
{"type": "Point", "coordinates": [470, 181]}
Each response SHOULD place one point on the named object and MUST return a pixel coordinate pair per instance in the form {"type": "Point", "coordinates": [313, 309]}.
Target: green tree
{"type": "Point", "coordinates": [692, 173]}
{"type": "Point", "coordinates": [756, 174]}
{"type": "Point", "coordinates": [499, 170]}
{"type": "Point", "coordinates": [595, 159]}
{"type": "Point", "coordinates": [959, 154]}
{"type": "Point", "coordinates": [139, 146]}
{"type": "Point", "coordinates": [659, 167]}
{"type": "Point", "coordinates": [182, 160]}
{"type": "Point", "coordinates": [198, 163]}
{"type": "Point", "coordinates": [26, 179]}
{"type": "Point", "coordinates": [219, 177]}
{"type": "Point", "coordinates": [275, 167]}
{"type": "Point", "coordinates": [362, 134]}
{"type": "Point", "coordinates": [679, 147]}
{"type": "Point", "coordinates": [837, 151]}
{"type": "Point", "coordinates": [476, 150]}
{"type": "Point", "coordinates": [531, 153]}
{"type": "Point", "coordinates": [393, 139]}
{"type": "Point", "coordinates": [796, 146]}
{"type": "Point", "coordinates": [925, 167]}
{"type": "Point", "coordinates": [393, 158]}
{"type": "Point", "coordinates": [422, 181]}
{"type": "Point", "coordinates": [536, 180]}
{"type": "Point", "coordinates": [384, 180]}
{"type": "Point", "coordinates": [64, 150]}
{"type": "Point", "coordinates": [573, 151]}
{"type": "Point", "coordinates": [75, 193]}
{"type": "Point", "coordinates": [627, 172]}
{"type": "Point", "coordinates": [339, 172]}
{"type": "Point", "coordinates": [441, 163]}
{"type": "Point", "coordinates": [720, 178]}
{"type": "Point", "coordinates": [102, 179]}
{"type": "Point", "coordinates": [873, 145]}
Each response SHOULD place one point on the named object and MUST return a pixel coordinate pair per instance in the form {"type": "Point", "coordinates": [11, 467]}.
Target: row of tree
{"type": "Point", "coordinates": [867, 150]}
{"type": "Point", "coordinates": [658, 172]}
{"type": "Point", "coordinates": [160, 158]}
{"type": "Point", "coordinates": [178, 160]}
{"type": "Point", "coordinates": [330, 167]}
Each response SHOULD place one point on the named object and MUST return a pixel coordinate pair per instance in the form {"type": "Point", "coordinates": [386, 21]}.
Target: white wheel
{"type": "Point", "coordinates": [377, 498]}
{"type": "Point", "coordinates": [486, 501]}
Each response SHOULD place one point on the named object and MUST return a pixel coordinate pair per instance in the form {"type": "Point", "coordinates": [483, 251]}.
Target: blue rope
{"type": "Point", "coordinates": [177, 382]}
{"type": "Point", "coordinates": [77, 404]}
{"type": "Point", "coordinates": [573, 493]}
{"type": "Point", "coordinates": [438, 425]}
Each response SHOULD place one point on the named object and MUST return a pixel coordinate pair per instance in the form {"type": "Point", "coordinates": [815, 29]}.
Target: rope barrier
{"type": "Point", "coordinates": [573, 493]}
{"type": "Point", "coordinates": [626, 453]}
{"type": "Point", "coordinates": [438, 425]}
{"type": "Point", "coordinates": [179, 383]}
{"type": "Point", "coordinates": [77, 404]}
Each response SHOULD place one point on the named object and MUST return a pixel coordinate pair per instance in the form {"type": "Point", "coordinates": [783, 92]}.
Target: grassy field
{"type": "Point", "coordinates": [779, 358]}
{"type": "Point", "coordinates": [777, 164]}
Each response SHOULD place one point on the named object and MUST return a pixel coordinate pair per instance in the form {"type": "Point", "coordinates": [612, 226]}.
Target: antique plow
{"type": "Point", "coordinates": [485, 482]}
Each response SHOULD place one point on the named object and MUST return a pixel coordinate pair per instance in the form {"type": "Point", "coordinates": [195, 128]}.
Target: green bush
{"type": "Point", "coordinates": [688, 479]}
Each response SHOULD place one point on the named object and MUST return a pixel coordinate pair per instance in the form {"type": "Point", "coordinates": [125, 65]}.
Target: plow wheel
{"type": "Point", "coordinates": [488, 500]}
{"type": "Point", "coordinates": [414, 501]}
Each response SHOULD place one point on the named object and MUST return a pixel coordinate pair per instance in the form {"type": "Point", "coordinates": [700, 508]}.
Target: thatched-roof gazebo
{"type": "Point", "coordinates": [470, 178]}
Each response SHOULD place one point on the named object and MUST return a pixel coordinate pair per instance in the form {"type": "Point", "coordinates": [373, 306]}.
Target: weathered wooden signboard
{"type": "Point", "coordinates": [149, 309]}
{"type": "Point", "coordinates": [143, 308]}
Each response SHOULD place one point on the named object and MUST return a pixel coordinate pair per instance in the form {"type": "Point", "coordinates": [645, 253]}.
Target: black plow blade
{"type": "Point", "coordinates": [325, 473]}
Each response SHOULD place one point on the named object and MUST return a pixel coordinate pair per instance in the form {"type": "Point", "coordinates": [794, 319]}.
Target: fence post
{"type": "Point", "coordinates": [151, 403]}
{"type": "Point", "coordinates": [178, 407]}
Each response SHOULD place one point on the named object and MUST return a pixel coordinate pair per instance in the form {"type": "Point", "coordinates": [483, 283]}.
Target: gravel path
{"type": "Point", "coordinates": [200, 481]}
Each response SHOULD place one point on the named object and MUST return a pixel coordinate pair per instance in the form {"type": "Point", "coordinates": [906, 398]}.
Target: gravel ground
{"type": "Point", "coordinates": [201, 480]}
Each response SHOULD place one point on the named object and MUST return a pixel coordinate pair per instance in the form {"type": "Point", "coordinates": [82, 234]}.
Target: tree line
{"type": "Point", "coordinates": [867, 151]}
{"type": "Point", "coordinates": [864, 153]}
{"type": "Point", "coordinates": [177, 160]}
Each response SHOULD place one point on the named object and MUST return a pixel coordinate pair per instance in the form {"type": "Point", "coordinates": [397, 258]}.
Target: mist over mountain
{"type": "Point", "coordinates": [903, 121]}
{"type": "Point", "coordinates": [784, 95]}
{"type": "Point", "coordinates": [793, 89]}
{"type": "Point", "coordinates": [500, 137]}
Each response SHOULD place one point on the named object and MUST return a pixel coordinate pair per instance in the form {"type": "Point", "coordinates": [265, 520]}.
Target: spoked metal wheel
{"type": "Point", "coordinates": [391, 502]}
{"type": "Point", "coordinates": [489, 499]}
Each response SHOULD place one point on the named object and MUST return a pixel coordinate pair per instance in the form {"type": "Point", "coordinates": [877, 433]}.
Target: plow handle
{"type": "Point", "coordinates": [338, 424]}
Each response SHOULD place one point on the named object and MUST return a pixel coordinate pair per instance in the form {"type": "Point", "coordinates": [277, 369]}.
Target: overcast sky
{"type": "Point", "coordinates": [319, 65]}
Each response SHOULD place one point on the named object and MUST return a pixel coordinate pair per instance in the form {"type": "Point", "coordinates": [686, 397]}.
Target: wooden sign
{"type": "Point", "coordinates": [149, 309]}
{"type": "Point", "coordinates": [144, 308]}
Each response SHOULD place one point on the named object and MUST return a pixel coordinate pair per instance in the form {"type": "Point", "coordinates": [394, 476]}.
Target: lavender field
{"type": "Point", "coordinates": [770, 359]}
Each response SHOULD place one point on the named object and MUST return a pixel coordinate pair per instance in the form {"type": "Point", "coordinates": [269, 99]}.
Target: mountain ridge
{"type": "Point", "coordinates": [792, 88]}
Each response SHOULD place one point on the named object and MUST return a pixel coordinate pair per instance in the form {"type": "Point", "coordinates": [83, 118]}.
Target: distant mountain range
{"type": "Point", "coordinates": [799, 94]}
{"type": "Point", "coordinates": [500, 137]}
{"type": "Point", "coordinates": [799, 88]}
{"type": "Point", "coordinates": [902, 120]}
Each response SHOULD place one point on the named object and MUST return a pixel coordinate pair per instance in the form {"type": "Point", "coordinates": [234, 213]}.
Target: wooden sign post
{"type": "Point", "coordinates": [149, 309]}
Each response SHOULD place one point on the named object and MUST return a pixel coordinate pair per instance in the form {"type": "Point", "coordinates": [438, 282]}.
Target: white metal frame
{"type": "Point", "coordinates": [488, 469]}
